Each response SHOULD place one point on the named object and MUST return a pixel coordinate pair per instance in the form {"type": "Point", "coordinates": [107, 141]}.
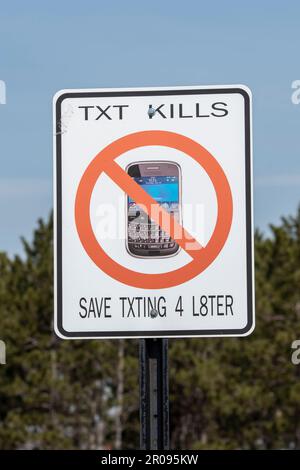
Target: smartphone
{"type": "Point", "coordinates": [162, 181]}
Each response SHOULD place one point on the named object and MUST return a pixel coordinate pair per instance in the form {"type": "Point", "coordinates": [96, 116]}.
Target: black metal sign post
{"type": "Point", "coordinates": [154, 394]}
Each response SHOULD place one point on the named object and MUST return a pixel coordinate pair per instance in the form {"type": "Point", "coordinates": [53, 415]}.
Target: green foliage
{"type": "Point", "coordinates": [225, 393]}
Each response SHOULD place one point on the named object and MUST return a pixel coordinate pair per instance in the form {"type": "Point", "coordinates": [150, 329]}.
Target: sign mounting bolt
{"type": "Point", "coordinates": [153, 313]}
{"type": "Point", "coordinates": [151, 111]}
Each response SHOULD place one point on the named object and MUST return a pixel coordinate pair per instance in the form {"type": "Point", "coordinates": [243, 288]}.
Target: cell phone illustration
{"type": "Point", "coordinates": [162, 181]}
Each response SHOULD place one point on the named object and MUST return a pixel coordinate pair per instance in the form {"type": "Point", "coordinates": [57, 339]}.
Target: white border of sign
{"type": "Point", "coordinates": [161, 91]}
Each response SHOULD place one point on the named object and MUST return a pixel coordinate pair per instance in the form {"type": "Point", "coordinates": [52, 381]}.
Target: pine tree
{"type": "Point", "coordinates": [54, 393]}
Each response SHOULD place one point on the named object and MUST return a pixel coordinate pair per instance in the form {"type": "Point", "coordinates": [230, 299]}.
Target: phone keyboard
{"type": "Point", "coordinates": [148, 236]}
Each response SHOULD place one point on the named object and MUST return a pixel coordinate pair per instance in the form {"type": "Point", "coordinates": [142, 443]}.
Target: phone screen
{"type": "Point", "coordinates": [145, 237]}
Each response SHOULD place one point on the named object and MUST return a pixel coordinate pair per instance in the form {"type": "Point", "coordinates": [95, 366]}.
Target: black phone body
{"type": "Point", "coordinates": [162, 181]}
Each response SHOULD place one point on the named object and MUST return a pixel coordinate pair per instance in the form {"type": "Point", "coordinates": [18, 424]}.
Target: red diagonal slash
{"type": "Point", "coordinates": [156, 212]}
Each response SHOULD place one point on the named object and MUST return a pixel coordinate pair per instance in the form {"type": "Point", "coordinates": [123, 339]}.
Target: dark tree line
{"type": "Point", "coordinates": [225, 393]}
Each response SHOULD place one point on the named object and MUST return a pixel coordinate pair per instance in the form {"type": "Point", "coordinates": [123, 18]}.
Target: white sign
{"type": "Point", "coordinates": [153, 225]}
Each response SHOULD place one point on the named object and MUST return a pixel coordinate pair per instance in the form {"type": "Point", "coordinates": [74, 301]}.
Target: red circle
{"type": "Point", "coordinates": [207, 255]}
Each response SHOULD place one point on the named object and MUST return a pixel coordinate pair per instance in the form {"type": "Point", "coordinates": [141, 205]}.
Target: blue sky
{"type": "Point", "coordinates": [45, 47]}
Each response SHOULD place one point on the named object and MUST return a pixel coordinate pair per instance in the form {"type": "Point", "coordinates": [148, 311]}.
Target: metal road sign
{"type": "Point", "coordinates": [153, 202]}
